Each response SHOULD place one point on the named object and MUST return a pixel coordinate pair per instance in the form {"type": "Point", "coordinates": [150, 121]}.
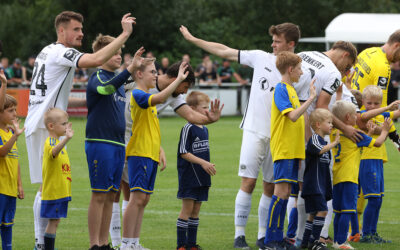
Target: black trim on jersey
{"type": "Point", "coordinates": [157, 84]}
{"type": "Point", "coordinates": [302, 101]}
{"type": "Point", "coordinates": [239, 57]}
{"type": "Point", "coordinates": [324, 54]}
{"type": "Point", "coordinates": [179, 106]}
{"type": "Point", "coordinates": [327, 91]}
{"type": "Point", "coordinates": [77, 61]}
{"type": "Point", "coordinates": [55, 102]}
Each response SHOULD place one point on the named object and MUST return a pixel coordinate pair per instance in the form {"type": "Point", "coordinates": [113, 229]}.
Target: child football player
{"type": "Point", "coordinates": [144, 152]}
{"type": "Point", "coordinates": [56, 173]}
{"type": "Point", "coordinates": [317, 185]}
{"type": "Point", "coordinates": [194, 171]}
{"type": "Point", "coordinates": [10, 177]}
{"type": "Point", "coordinates": [287, 144]}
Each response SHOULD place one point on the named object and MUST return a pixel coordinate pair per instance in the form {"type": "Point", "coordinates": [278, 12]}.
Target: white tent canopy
{"type": "Point", "coordinates": [359, 28]}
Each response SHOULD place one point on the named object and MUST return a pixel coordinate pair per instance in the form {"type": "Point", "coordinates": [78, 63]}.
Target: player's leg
{"type": "Point", "coordinates": [106, 218]}
{"type": "Point", "coordinates": [251, 156]}
{"type": "Point", "coordinates": [6, 237]}
{"type": "Point", "coordinates": [193, 224]}
{"type": "Point", "coordinates": [7, 213]}
{"type": "Point", "coordinates": [348, 206]}
{"type": "Point", "coordinates": [34, 145]}
{"type": "Point", "coordinates": [291, 210]}
{"type": "Point", "coordinates": [182, 221]}
{"type": "Point", "coordinates": [50, 235]}
{"type": "Point", "coordinates": [115, 224]}
{"type": "Point", "coordinates": [319, 220]}
{"type": "Point", "coordinates": [325, 230]}
{"type": "Point", "coordinates": [301, 210]}
{"type": "Point", "coordinates": [95, 213]}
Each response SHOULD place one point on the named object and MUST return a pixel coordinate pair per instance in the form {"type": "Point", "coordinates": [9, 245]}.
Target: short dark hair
{"type": "Point", "coordinates": [173, 71]}
{"type": "Point", "coordinates": [66, 16]}
{"type": "Point", "coordinates": [348, 47]}
{"type": "Point", "coordinates": [290, 31]}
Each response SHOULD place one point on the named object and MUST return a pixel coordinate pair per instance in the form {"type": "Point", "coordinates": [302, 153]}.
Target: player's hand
{"type": "Point", "coordinates": [21, 193]}
{"type": "Point", "coordinates": [3, 77]}
{"type": "Point", "coordinates": [163, 159]}
{"type": "Point", "coordinates": [137, 60]}
{"type": "Point", "coordinates": [17, 130]}
{"type": "Point", "coordinates": [182, 74]}
{"type": "Point", "coordinates": [186, 34]}
{"type": "Point", "coordinates": [127, 22]}
{"type": "Point", "coordinates": [394, 105]}
{"type": "Point", "coordinates": [215, 111]}
{"type": "Point", "coordinates": [387, 124]}
{"type": "Point", "coordinates": [209, 168]}
{"type": "Point", "coordinates": [349, 77]}
{"type": "Point", "coordinates": [352, 133]}
{"type": "Point", "coordinates": [371, 126]}
{"type": "Point", "coordinates": [68, 131]}
{"type": "Point", "coordinates": [313, 92]}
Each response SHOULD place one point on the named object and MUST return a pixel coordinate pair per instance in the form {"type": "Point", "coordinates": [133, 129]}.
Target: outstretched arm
{"type": "Point", "coordinates": [91, 60]}
{"type": "Point", "coordinates": [217, 49]}
{"type": "Point", "coordinates": [194, 117]}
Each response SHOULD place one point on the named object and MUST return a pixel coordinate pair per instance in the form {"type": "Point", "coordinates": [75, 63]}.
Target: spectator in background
{"type": "Point", "coordinates": [394, 82]}
{"type": "Point", "coordinates": [150, 54]}
{"type": "Point", "coordinates": [245, 72]}
{"type": "Point", "coordinates": [15, 72]}
{"type": "Point", "coordinates": [126, 61]}
{"type": "Point", "coordinates": [4, 65]}
{"type": "Point", "coordinates": [209, 74]}
{"type": "Point", "coordinates": [186, 58]}
{"type": "Point", "coordinates": [29, 65]}
{"type": "Point", "coordinates": [202, 66]}
{"type": "Point", "coordinates": [164, 66]}
{"type": "Point", "coordinates": [80, 75]}
{"type": "Point", "coordinates": [226, 72]}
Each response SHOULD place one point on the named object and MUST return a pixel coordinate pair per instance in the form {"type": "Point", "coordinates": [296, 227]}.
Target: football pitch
{"type": "Point", "coordinates": [216, 227]}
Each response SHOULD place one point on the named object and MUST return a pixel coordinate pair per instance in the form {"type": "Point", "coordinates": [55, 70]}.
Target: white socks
{"type": "Point", "coordinates": [115, 225]}
{"type": "Point", "coordinates": [127, 242]}
{"type": "Point", "coordinates": [302, 217]}
{"type": "Point", "coordinates": [263, 208]}
{"type": "Point", "coordinates": [39, 223]}
{"type": "Point", "coordinates": [242, 211]}
{"type": "Point", "coordinates": [328, 220]}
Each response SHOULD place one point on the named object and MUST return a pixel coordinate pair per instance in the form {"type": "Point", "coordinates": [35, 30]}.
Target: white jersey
{"type": "Point", "coordinates": [173, 102]}
{"type": "Point", "coordinates": [319, 66]}
{"type": "Point", "coordinates": [346, 96]}
{"type": "Point", "coordinates": [51, 84]}
{"type": "Point", "coordinates": [257, 117]}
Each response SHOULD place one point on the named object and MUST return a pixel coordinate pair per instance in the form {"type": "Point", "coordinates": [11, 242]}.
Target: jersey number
{"type": "Point", "coordinates": [38, 79]}
{"type": "Point", "coordinates": [355, 78]}
{"type": "Point", "coordinates": [339, 148]}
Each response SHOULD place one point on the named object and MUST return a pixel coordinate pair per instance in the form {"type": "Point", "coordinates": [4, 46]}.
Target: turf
{"type": "Point", "coordinates": [216, 230]}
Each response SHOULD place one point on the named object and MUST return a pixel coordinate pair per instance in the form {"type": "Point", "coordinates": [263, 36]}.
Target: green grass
{"type": "Point", "coordinates": [216, 229]}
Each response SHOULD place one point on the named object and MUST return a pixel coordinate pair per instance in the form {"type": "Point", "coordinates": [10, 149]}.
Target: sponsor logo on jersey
{"type": "Point", "coordinates": [242, 167]}
{"type": "Point", "coordinates": [199, 146]}
{"type": "Point", "coordinates": [263, 83]}
{"type": "Point", "coordinates": [197, 139]}
{"type": "Point", "coordinates": [335, 85]}
{"type": "Point", "coordinates": [71, 54]}
{"type": "Point", "coordinates": [382, 82]}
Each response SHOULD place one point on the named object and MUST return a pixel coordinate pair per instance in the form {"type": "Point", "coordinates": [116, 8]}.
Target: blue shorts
{"type": "Point", "coordinates": [142, 173]}
{"type": "Point", "coordinates": [295, 190]}
{"type": "Point", "coordinates": [286, 170]}
{"type": "Point", "coordinates": [315, 203]}
{"type": "Point", "coordinates": [196, 193]}
{"type": "Point", "coordinates": [105, 163]}
{"type": "Point", "coordinates": [54, 209]}
{"type": "Point", "coordinates": [345, 197]}
{"type": "Point", "coordinates": [7, 210]}
{"type": "Point", "coordinates": [371, 178]}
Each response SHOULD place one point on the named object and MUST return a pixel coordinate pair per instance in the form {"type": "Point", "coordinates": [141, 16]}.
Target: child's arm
{"type": "Point", "coordinates": [3, 88]}
{"type": "Point", "coordinates": [374, 112]}
{"type": "Point", "coordinates": [297, 113]}
{"type": "Point", "coordinates": [163, 159]}
{"type": "Point", "coordinates": [331, 145]}
{"type": "Point", "coordinates": [21, 193]}
{"type": "Point", "coordinates": [68, 135]}
{"type": "Point", "coordinates": [17, 132]}
{"type": "Point", "coordinates": [207, 166]}
{"type": "Point", "coordinates": [385, 131]}
{"type": "Point", "coordinates": [165, 93]}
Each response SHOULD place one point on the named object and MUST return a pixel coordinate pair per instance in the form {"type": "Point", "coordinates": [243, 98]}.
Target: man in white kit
{"type": "Point", "coordinates": [255, 150]}
{"type": "Point", "coordinates": [51, 85]}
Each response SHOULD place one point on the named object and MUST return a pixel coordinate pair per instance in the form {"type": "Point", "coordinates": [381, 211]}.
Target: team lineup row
{"type": "Point", "coordinates": [273, 113]}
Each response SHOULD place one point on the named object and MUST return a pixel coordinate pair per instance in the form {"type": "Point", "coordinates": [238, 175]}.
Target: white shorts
{"type": "Point", "coordinates": [256, 153]}
{"type": "Point", "coordinates": [125, 175]}
{"type": "Point", "coordinates": [302, 167]}
{"type": "Point", "coordinates": [34, 145]}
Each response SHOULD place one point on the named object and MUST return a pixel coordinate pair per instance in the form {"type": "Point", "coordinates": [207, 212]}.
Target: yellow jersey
{"type": "Point", "coordinates": [56, 173]}
{"type": "Point", "coordinates": [8, 166]}
{"type": "Point", "coordinates": [287, 137]}
{"type": "Point", "coordinates": [146, 139]}
{"type": "Point", "coordinates": [372, 68]}
{"type": "Point", "coordinates": [347, 156]}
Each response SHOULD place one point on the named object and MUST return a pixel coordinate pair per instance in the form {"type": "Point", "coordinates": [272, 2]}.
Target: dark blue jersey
{"type": "Point", "coordinates": [317, 177]}
{"type": "Point", "coordinates": [193, 140]}
{"type": "Point", "coordinates": [105, 97]}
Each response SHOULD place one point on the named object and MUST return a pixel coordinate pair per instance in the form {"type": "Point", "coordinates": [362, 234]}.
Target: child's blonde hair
{"type": "Point", "coordinates": [9, 101]}
{"type": "Point", "coordinates": [286, 59]}
{"type": "Point", "coordinates": [341, 108]}
{"type": "Point", "coordinates": [319, 115]}
{"type": "Point", "coordinates": [372, 91]}
{"type": "Point", "coordinates": [53, 115]}
{"type": "Point", "coordinates": [195, 97]}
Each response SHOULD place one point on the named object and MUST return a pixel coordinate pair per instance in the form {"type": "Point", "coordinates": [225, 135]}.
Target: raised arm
{"type": "Point", "coordinates": [374, 112]}
{"type": "Point", "coordinates": [92, 60]}
{"type": "Point", "coordinates": [194, 117]}
{"type": "Point", "coordinates": [331, 145]}
{"type": "Point", "coordinates": [68, 135]}
{"type": "Point", "coordinates": [9, 144]}
{"type": "Point", "coordinates": [385, 131]}
{"type": "Point", "coordinates": [3, 88]}
{"type": "Point", "coordinates": [217, 49]}
{"type": "Point", "coordinates": [297, 113]}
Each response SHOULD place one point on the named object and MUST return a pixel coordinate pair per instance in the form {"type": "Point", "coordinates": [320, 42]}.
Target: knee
{"type": "Point", "coordinates": [269, 189]}
{"type": "Point", "coordinates": [248, 185]}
